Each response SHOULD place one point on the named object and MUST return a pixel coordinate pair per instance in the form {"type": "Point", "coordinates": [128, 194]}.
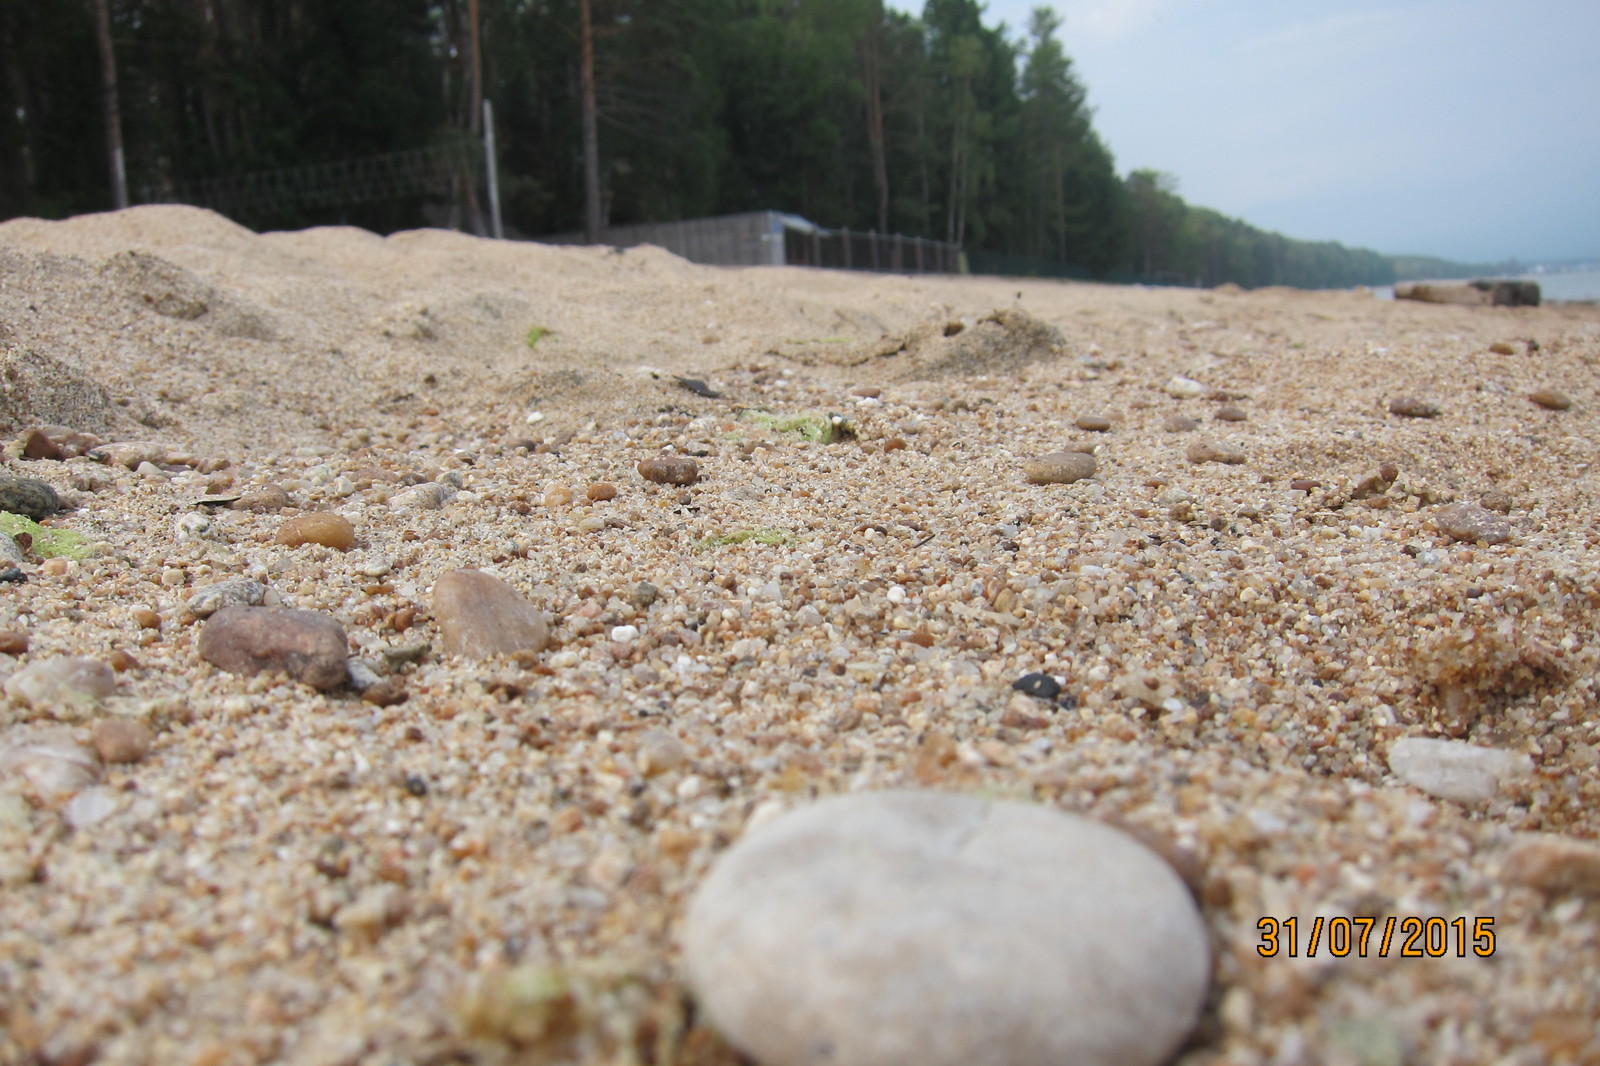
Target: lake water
{"type": "Point", "coordinates": [1553, 288]}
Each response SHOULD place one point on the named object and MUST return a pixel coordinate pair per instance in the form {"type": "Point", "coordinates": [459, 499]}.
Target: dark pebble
{"type": "Point", "coordinates": [1411, 407]}
{"type": "Point", "coordinates": [28, 496]}
{"type": "Point", "coordinates": [699, 388]}
{"type": "Point", "coordinates": [1040, 686]}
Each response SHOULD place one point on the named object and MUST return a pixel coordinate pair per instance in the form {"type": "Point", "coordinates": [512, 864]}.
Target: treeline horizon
{"type": "Point", "coordinates": [842, 111]}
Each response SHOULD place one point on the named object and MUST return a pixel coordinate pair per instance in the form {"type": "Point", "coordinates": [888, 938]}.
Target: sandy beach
{"type": "Point", "coordinates": [455, 860]}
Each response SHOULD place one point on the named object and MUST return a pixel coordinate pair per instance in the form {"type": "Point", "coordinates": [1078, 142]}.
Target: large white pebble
{"type": "Point", "coordinates": [1455, 770]}
{"type": "Point", "coordinates": [890, 928]}
{"type": "Point", "coordinates": [64, 686]}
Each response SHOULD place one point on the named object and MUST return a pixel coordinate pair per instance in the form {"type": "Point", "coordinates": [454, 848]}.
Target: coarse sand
{"type": "Point", "coordinates": [495, 868]}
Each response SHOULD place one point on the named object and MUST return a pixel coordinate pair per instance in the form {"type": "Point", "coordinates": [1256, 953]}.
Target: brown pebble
{"type": "Point", "coordinates": [267, 498]}
{"type": "Point", "coordinates": [1497, 500]}
{"type": "Point", "coordinates": [670, 470]}
{"type": "Point", "coordinates": [121, 661]}
{"type": "Point", "coordinates": [1180, 424]}
{"type": "Point", "coordinates": [479, 615]}
{"type": "Point", "coordinates": [1303, 484]}
{"type": "Point", "coordinates": [121, 739]}
{"type": "Point", "coordinates": [1502, 348]}
{"type": "Point", "coordinates": [894, 444]}
{"type": "Point", "coordinates": [386, 692]}
{"type": "Point", "coordinates": [1093, 423]}
{"type": "Point", "coordinates": [147, 618]}
{"type": "Point", "coordinates": [1470, 522]}
{"type": "Point", "coordinates": [308, 646]}
{"type": "Point", "coordinates": [1059, 468]}
{"type": "Point", "coordinates": [1411, 407]}
{"type": "Point", "coordinates": [1551, 399]}
{"type": "Point", "coordinates": [13, 642]}
{"type": "Point", "coordinates": [1557, 865]}
{"type": "Point", "coordinates": [601, 490]}
{"type": "Point", "coordinates": [1212, 451]}
{"type": "Point", "coordinates": [1231, 414]}
{"type": "Point", "coordinates": [318, 527]}
{"type": "Point", "coordinates": [867, 392]}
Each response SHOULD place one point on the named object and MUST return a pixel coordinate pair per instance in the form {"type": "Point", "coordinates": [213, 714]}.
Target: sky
{"type": "Point", "coordinates": [1466, 129]}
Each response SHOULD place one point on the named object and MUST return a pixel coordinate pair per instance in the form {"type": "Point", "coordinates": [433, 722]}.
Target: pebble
{"type": "Point", "coordinates": [1039, 686]}
{"type": "Point", "coordinates": [944, 930]}
{"type": "Point", "coordinates": [867, 392]}
{"type": "Point", "coordinates": [479, 616]}
{"type": "Point", "coordinates": [1059, 468]}
{"type": "Point", "coordinates": [49, 765]}
{"type": "Point", "coordinates": [236, 592]}
{"type": "Point", "coordinates": [428, 496]}
{"type": "Point", "coordinates": [318, 527]}
{"type": "Point", "coordinates": [658, 752]}
{"type": "Point", "coordinates": [64, 686]}
{"type": "Point", "coordinates": [1455, 770]}
{"type": "Point", "coordinates": [28, 496]}
{"type": "Point", "coordinates": [1180, 424]}
{"type": "Point", "coordinates": [643, 595]}
{"type": "Point", "coordinates": [1555, 864]}
{"type": "Point", "coordinates": [1231, 414]}
{"type": "Point", "coordinates": [1411, 407]}
{"type": "Point", "coordinates": [1470, 522]}
{"type": "Point", "coordinates": [1551, 399]}
{"type": "Point", "coordinates": [669, 470]}
{"type": "Point", "coordinates": [1094, 423]}
{"type": "Point", "coordinates": [57, 442]}
{"type": "Point", "coordinates": [624, 634]}
{"type": "Point", "coordinates": [266, 498]}
{"type": "Point", "coordinates": [129, 454]}
{"type": "Point", "coordinates": [90, 807]}
{"type": "Point", "coordinates": [1211, 451]}
{"type": "Point", "coordinates": [1497, 500]}
{"type": "Point", "coordinates": [122, 740]}
{"type": "Point", "coordinates": [13, 642]}
{"type": "Point", "coordinates": [1304, 484]}
{"type": "Point", "coordinates": [1182, 388]}
{"type": "Point", "coordinates": [308, 646]}
{"type": "Point", "coordinates": [1502, 348]}
{"type": "Point", "coordinates": [601, 491]}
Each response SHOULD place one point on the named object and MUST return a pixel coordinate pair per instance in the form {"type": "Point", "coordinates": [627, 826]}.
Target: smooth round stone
{"type": "Point", "coordinates": [479, 615]}
{"type": "Point", "coordinates": [1059, 468]}
{"type": "Point", "coordinates": [1212, 451]}
{"type": "Point", "coordinates": [1182, 388]}
{"type": "Point", "coordinates": [1094, 423]}
{"type": "Point", "coordinates": [308, 646]}
{"type": "Point", "coordinates": [670, 470]}
{"type": "Point", "coordinates": [318, 527]}
{"type": "Point", "coordinates": [888, 928]}
{"type": "Point", "coordinates": [28, 496]}
{"type": "Point", "coordinates": [1412, 407]}
{"type": "Point", "coordinates": [1552, 399]}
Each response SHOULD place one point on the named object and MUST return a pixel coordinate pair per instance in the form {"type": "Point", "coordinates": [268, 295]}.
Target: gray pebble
{"type": "Point", "coordinates": [237, 592]}
{"type": "Point", "coordinates": [889, 928]}
{"type": "Point", "coordinates": [28, 496]}
{"type": "Point", "coordinates": [1059, 468]}
{"type": "Point", "coordinates": [1211, 451]}
{"type": "Point", "coordinates": [1470, 522]}
{"type": "Point", "coordinates": [1411, 407]}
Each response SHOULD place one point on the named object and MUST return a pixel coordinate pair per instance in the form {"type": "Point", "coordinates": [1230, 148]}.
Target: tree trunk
{"type": "Point", "coordinates": [591, 142]}
{"type": "Point", "coordinates": [113, 112]}
{"type": "Point", "coordinates": [871, 54]}
{"type": "Point", "coordinates": [474, 120]}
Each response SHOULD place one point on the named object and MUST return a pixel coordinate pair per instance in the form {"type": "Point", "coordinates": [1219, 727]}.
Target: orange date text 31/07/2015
{"type": "Point", "coordinates": [1372, 937]}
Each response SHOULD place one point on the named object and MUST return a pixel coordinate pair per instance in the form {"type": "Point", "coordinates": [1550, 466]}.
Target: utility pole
{"type": "Point", "coordinates": [591, 142]}
{"type": "Point", "coordinates": [113, 111]}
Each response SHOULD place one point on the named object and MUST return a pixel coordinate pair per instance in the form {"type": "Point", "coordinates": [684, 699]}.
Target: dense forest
{"type": "Point", "coordinates": [608, 112]}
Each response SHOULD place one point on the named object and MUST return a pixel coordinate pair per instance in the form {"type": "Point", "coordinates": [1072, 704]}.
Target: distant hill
{"type": "Point", "coordinates": [1427, 267]}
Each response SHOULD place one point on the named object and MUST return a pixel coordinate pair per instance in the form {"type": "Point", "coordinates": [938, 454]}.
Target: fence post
{"type": "Point", "coordinates": [816, 247]}
{"type": "Point", "coordinates": [845, 239]}
{"type": "Point", "coordinates": [919, 255]}
{"type": "Point", "coordinates": [494, 179]}
{"type": "Point", "coordinates": [875, 250]}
